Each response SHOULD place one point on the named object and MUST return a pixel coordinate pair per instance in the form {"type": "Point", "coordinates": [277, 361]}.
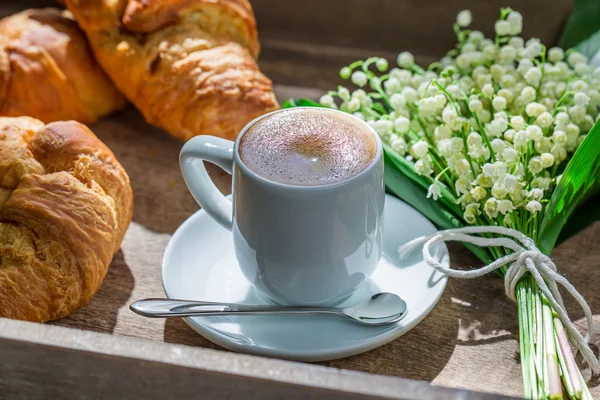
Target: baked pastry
{"type": "Point", "coordinates": [65, 203]}
{"type": "Point", "coordinates": [47, 70]}
{"type": "Point", "coordinates": [188, 65]}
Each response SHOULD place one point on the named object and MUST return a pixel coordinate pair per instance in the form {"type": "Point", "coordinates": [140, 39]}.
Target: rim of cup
{"type": "Point", "coordinates": [333, 185]}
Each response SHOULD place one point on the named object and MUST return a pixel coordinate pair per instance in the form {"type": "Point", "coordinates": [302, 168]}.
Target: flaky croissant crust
{"type": "Point", "coordinates": [47, 70]}
{"type": "Point", "coordinates": [65, 204]}
{"type": "Point", "coordinates": [188, 65]}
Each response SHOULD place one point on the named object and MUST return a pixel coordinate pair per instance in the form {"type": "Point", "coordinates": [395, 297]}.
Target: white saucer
{"type": "Point", "coordinates": [199, 264]}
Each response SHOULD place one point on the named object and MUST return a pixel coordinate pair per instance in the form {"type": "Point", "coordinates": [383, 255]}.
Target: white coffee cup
{"type": "Point", "coordinates": [297, 245]}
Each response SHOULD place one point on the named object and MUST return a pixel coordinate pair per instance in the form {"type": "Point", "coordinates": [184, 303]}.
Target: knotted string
{"type": "Point", "coordinates": [526, 257]}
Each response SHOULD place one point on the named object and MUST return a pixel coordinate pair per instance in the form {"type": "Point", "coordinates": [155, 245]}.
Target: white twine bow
{"type": "Point", "coordinates": [525, 258]}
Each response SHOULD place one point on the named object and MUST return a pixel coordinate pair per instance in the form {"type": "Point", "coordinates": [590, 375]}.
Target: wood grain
{"type": "Point", "coordinates": [423, 27]}
{"type": "Point", "coordinates": [52, 362]}
{"type": "Point", "coordinates": [324, 35]}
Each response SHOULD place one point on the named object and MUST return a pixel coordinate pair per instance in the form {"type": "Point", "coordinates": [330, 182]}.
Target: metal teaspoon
{"type": "Point", "coordinates": [379, 309]}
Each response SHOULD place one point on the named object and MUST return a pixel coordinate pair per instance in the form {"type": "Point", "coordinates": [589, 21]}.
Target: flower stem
{"type": "Point", "coordinates": [563, 370]}
{"type": "Point", "coordinates": [570, 370]}
{"type": "Point", "coordinates": [553, 385]}
{"type": "Point", "coordinates": [485, 137]}
{"type": "Point", "coordinates": [539, 335]}
{"type": "Point", "coordinates": [525, 343]}
{"type": "Point", "coordinates": [533, 324]}
{"type": "Point", "coordinates": [547, 361]}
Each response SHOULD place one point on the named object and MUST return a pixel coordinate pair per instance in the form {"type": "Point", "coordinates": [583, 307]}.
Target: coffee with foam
{"type": "Point", "coordinates": [308, 147]}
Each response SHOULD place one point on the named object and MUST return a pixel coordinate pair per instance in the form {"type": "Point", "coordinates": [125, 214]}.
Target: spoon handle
{"type": "Point", "coordinates": [165, 308]}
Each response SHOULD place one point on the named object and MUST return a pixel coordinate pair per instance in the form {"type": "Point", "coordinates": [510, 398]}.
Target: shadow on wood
{"type": "Point", "coordinates": [151, 158]}
{"type": "Point", "coordinates": [177, 331]}
{"type": "Point", "coordinates": [100, 314]}
{"type": "Point", "coordinates": [419, 354]}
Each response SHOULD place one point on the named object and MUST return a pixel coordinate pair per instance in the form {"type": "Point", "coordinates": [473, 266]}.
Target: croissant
{"type": "Point", "coordinates": [47, 70]}
{"type": "Point", "coordinates": [65, 204]}
{"type": "Point", "coordinates": [188, 65]}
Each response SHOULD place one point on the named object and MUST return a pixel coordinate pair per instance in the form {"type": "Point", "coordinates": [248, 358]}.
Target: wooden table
{"type": "Point", "coordinates": [470, 339]}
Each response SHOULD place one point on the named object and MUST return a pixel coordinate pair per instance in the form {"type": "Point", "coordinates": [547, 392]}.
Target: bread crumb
{"type": "Point", "coordinates": [123, 47]}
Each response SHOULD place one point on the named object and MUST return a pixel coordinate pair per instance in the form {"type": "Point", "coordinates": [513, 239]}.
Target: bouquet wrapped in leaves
{"type": "Point", "coordinates": [497, 144]}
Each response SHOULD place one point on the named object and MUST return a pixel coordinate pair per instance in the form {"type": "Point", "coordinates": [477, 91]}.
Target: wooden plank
{"type": "Point", "coordinates": [420, 26]}
{"type": "Point", "coordinates": [50, 362]}
{"type": "Point", "coordinates": [322, 36]}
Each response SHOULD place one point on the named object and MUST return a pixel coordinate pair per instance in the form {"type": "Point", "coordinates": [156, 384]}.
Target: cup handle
{"type": "Point", "coordinates": [217, 151]}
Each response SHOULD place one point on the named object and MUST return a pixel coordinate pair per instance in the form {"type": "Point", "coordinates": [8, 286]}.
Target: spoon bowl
{"type": "Point", "coordinates": [379, 309]}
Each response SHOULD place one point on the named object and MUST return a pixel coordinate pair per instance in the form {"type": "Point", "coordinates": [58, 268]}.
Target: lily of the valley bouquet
{"type": "Point", "coordinates": [497, 145]}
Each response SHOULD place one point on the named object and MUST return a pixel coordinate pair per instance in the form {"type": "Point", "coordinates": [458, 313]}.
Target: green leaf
{"type": "Point", "coordinates": [579, 182]}
{"type": "Point", "coordinates": [447, 200]}
{"type": "Point", "coordinates": [405, 188]}
{"type": "Point", "coordinates": [300, 102]}
{"type": "Point", "coordinates": [584, 216]}
{"type": "Point", "coordinates": [583, 23]}
{"type": "Point", "coordinates": [590, 46]}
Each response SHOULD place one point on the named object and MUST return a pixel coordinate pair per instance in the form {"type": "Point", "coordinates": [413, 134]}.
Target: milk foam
{"type": "Point", "coordinates": [307, 147]}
